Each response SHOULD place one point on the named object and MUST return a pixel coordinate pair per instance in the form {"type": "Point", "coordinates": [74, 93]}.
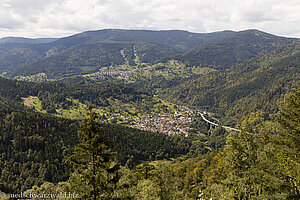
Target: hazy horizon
{"type": "Point", "coordinates": [20, 36]}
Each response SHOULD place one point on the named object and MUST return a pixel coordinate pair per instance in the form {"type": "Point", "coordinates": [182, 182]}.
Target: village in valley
{"type": "Point", "coordinates": [176, 123]}
{"type": "Point", "coordinates": [122, 73]}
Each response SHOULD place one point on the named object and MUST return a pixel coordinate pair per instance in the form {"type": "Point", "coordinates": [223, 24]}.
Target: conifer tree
{"type": "Point", "coordinates": [95, 168]}
{"type": "Point", "coordinates": [289, 140]}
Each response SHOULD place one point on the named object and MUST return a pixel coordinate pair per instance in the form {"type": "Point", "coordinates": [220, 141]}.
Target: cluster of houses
{"type": "Point", "coordinates": [122, 74]}
{"type": "Point", "coordinates": [170, 124]}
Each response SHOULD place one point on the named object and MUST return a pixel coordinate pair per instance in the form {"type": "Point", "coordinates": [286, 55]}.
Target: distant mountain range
{"type": "Point", "coordinates": [235, 49]}
{"type": "Point", "coordinates": [89, 51]}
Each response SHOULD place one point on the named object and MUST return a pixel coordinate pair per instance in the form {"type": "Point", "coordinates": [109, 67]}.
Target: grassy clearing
{"type": "Point", "coordinates": [35, 103]}
{"type": "Point", "coordinates": [77, 111]}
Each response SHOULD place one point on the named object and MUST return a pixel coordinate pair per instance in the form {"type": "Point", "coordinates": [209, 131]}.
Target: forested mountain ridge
{"type": "Point", "coordinates": [241, 89]}
{"type": "Point", "coordinates": [88, 58]}
{"type": "Point", "coordinates": [177, 39]}
{"type": "Point", "coordinates": [235, 49]}
{"type": "Point", "coordinates": [22, 51]}
{"type": "Point", "coordinates": [12, 55]}
{"type": "Point", "coordinates": [90, 51]}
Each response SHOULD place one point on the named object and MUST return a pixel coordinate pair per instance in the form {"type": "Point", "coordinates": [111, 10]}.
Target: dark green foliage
{"type": "Point", "coordinates": [37, 144]}
{"type": "Point", "coordinates": [257, 84]}
{"type": "Point", "coordinates": [94, 49]}
{"type": "Point", "coordinates": [205, 138]}
{"type": "Point", "coordinates": [145, 170]}
{"type": "Point", "coordinates": [84, 58]}
{"type": "Point", "coordinates": [237, 48]}
{"type": "Point", "coordinates": [137, 145]}
{"type": "Point", "coordinates": [54, 96]}
{"type": "Point", "coordinates": [92, 160]}
{"type": "Point", "coordinates": [32, 147]}
{"type": "Point", "coordinates": [88, 58]}
{"type": "Point", "coordinates": [289, 119]}
{"type": "Point", "coordinates": [288, 141]}
{"type": "Point", "coordinates": [180, 40]}
{"type": "Point", "coordinates": [260, 162]}
{"type": "Point", "coordinates": [149, 53]}
{"type": "Point", "coordinates": [12, 55]}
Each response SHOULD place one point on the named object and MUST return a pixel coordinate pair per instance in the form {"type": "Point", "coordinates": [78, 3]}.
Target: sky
{"type": "Point", "coordinates": [59, 18]}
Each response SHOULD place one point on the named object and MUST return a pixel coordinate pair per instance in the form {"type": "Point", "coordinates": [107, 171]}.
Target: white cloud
{"type": "Point", "coordinates": [8, 19]}
{"type": "Point", "coordinates": [54, 18]}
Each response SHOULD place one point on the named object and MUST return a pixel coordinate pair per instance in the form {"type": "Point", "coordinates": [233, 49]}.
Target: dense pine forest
{"type": "Point", "coordinates": [119, 114]}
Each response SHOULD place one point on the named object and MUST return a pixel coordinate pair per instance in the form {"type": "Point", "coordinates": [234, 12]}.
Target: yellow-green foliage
{"type": "Point", "coordinates": [136, 59]}
{"type": "Point", "coordinates": [162, 71]}
{"type": "Point", "coordinates": [76, 111]}
{"type": "Point", "coordinates": [39, 77]}
{"type": "Point", "coordinates": [117, 110]}
{"type": "Point", "coordinates": [124, 56]}
{"type": "Point", "coordinates": [34, 102]}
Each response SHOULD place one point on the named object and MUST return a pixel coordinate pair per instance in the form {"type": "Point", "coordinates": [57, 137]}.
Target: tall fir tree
{"type": "Point", "coordinates": [95, 168]}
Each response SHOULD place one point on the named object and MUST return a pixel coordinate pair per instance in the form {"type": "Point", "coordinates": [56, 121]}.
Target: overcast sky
{"type": "Point", "coordinates": [57, 18]}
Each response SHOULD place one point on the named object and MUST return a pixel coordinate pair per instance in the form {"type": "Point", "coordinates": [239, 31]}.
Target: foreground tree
{"type": "Point", "coordinates": [250, 163]}
{"type": "Point", "coordinates": [95, 168]}
{"type": "Point", "coordinates": [288, 141]}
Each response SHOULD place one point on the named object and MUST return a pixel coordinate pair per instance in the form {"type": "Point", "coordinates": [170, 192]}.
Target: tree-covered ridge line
{"type": "Point", "coordinates": [235, 49]}
{"type": "Point", "coordinates": [118, 46]}
{"type": "Point", "coordinates": [90, 51]}
{"type": "Point", "coordinates": [88, 58]}
{"type": "Point", "coordinates": [23, 40]}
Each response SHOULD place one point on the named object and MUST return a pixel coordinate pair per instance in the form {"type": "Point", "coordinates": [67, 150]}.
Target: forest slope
{"type": "Point", "coordinates": [256, 84]}
{"type": "Point", "coordinates": [33, 146]}
{"type": "Point", "coordinates": [234, 49]}
{"type": "Point", "coordinates": [19, 51]}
